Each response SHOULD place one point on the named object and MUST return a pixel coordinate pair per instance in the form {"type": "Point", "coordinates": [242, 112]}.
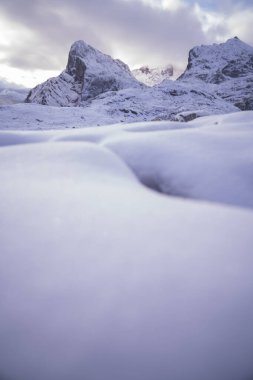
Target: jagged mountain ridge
{"type": "Point", "coordinates": [153, 76]}
{"type": "Point", "coordinates": [228, 67]}
{"type": "Point", "coordinates": [106, 86]}
{"type": "Point", "coordinates": [219, 62]}
{"type": "Point", "coordinates": [88, 74]}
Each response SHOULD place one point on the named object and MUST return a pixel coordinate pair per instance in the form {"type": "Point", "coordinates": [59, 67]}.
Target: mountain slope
{"type": "Point", "coordinates": [228, 66]}
{"type": "Point", "coordinates": [88, 74]}
{"type": "Point", "coordinates": [218, 79]}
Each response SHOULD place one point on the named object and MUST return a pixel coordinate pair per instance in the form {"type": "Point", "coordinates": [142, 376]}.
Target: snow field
{"type": "Point", "coordinates": [101, 277]}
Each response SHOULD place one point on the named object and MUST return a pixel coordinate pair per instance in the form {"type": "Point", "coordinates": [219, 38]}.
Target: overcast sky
{"type": "Point", "coordinates": [36, 34]}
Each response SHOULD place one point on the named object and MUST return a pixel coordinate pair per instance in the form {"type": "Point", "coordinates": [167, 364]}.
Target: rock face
{"type": "Point", "coordinates": [88, 74]}
{"type": "Point", "coordinates": [218, 79]}
{"type": "Point", "coordinates": [153, 76]}
{"type": "Point", "coordinates": [228, 66]}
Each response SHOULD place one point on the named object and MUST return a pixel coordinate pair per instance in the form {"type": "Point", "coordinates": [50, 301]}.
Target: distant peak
{"type": "Point", "coordinates": [237, 39]}
{"type": "Point", "coordinates": [79, 43]}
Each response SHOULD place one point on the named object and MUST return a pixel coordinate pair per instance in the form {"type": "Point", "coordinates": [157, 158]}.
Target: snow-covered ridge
{"type": "Point", "coordinates": [219, 62]}
{"type": "Point", "coordinates": [229, 66]}
{"type": "Point", "coordinates": [218, 79]}
{"type": "Point", "coordinates": [153, 76]}
{"type": "Point", "coordinates": [88, 74]}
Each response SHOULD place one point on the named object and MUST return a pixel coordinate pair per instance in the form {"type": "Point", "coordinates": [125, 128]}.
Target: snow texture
{"type": "Point", "coordinates": [101, 277]}
{"type": "Point", "coordinates": [209, 158]}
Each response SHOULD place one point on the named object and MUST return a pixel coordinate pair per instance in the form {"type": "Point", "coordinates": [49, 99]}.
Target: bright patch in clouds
{"type": "Point", "coordinates": [35, 38]}
{"type": "Point", "coordinates": [241, 23]}
{"type": "Point", "coordinates": [25, 77]}
{"type": "Point", "coordinates": [210, 21]}
{"type": "Point", "coordinates": [171, 5]}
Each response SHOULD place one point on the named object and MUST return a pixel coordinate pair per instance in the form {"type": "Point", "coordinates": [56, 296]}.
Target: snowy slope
{"type": "Point", "coordinates": [228, 66]}
{"type": "Point", "coordinates": [152, 76]}
{"type": "Point", "coordinates": [170, 100]}
{"type": "Point", "coordinates": [103, 278]}
{"type": "Point", "coordinates": [210, 158]}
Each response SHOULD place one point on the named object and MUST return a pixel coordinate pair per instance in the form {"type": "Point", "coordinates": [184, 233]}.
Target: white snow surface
{"type": "Point", "coordinates": [103, 278]}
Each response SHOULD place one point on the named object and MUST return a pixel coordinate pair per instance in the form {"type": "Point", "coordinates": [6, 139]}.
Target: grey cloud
{"type": "Point", "coordinates": [135, 31]}
{"type": "Point", "coordinates": [146, 34]}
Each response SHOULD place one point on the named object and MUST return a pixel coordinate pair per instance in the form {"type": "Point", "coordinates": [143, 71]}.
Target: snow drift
{"type": "Point", "coordinates": [102, 278]}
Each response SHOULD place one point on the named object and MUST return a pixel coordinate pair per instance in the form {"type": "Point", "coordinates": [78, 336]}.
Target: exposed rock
{"type": "Point", "coordinates": [88, 74]}
{"type": "Point", "coordinates": [218, 79]}
{"type": "Point", "coordinates": [229, 66]}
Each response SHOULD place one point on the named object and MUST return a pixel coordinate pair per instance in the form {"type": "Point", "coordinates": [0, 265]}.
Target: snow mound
{"type": "Point", "coordinates": [213, 162]}
{"type": "Point", "coordinates": [209, 158]}
{"type": "Point", "coordinates": [102, 278]}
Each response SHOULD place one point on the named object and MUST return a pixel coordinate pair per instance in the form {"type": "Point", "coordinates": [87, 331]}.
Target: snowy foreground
{"type": "Point", "coordinates": [103, 278]}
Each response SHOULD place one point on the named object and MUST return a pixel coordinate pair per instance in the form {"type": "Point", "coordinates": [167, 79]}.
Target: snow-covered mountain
{"type": "Point", "coordinates": [228, 67]}
{"type": "Point", "coordinates": [153, 76]}
{"type": "Point", "coordinates": [11, 93]}
{"type": "Point", "coordinates": [218, 79]}
{"type": "Point", "coordinates": [88, 74]}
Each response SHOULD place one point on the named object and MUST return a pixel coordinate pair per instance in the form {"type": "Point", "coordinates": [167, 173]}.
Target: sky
{"type": "Point", "coordinates": [36, 35]}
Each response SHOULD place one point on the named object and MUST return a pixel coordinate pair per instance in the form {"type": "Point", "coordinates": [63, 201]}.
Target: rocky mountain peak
{"type": "Point", "coordinates": [218, 62]}
{"type": "Point", "coordinates": [88, 73]}
{"type": "Point", "coordinates": [228, 66]}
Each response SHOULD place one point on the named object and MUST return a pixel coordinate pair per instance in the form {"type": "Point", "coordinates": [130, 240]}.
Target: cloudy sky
{"type": "Point", "coordinates": [36, 34]}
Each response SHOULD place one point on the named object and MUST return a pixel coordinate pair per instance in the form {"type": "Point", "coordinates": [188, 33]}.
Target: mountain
{"type": "Point", "coordinates": [153, 76]}
{"type": "Point", "coordinates": [88, 74]}
{"type": "Point", "coordinates": [11, 93]}
{"type": "Point", "coordinates": [218, 79]}
{"type": "Point", "coordinates": [228, 67]}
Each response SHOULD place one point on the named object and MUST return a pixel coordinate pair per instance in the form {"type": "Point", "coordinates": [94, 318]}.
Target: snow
{"type": "Point", "coordinates": [152, 76]}
{"type": "Point", "coordinates": [88, 74]}
{"type": "Point", "coordinates": [206, 60]}
{"type": "Point", "coordinates": [11, 93]}
{"type": "Point", "coordinates": [101, 277]}
{"type": "Point", "coordinates": [212, 162]}
{"type": "Point", "coordinates": [225, 70]}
